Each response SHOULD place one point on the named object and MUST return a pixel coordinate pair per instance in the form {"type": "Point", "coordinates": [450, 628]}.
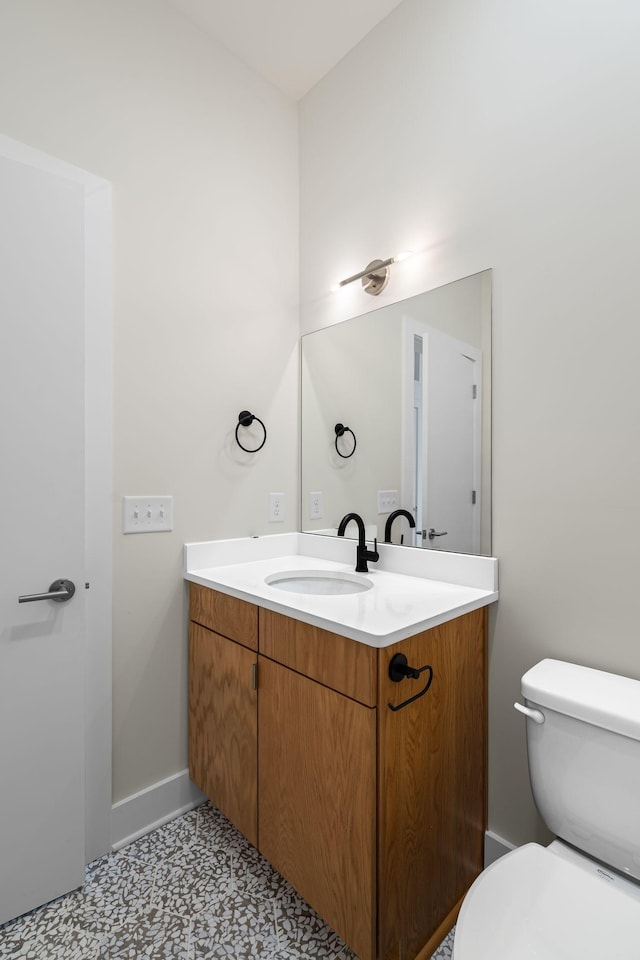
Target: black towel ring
{"type": "Point", "coordinates": [399, 669]}
{"type": "Point", "coordinates": [245, 419]}
{"type": "Point", "coordinates": [340, 432]}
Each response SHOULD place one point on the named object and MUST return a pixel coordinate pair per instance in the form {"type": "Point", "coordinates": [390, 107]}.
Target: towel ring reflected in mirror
{"type": "Point", "coordinates": [340, 432]}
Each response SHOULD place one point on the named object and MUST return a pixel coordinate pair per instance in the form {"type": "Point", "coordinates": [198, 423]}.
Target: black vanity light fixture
{"type": "Point", "coordinates": [375, 275]}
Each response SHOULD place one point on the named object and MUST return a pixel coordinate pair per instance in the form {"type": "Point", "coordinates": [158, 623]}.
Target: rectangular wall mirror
{"type": "Point", "coordinates": [408, 388]}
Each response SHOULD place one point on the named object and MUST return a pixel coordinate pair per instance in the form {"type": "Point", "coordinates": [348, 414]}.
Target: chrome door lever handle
{"type": "Point", "coordinates": [59, 591]}
{"type": "Point", "coordinates": [432, 533]}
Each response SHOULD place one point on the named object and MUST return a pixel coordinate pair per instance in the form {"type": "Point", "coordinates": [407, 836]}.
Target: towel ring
{"type": "Point", "coordinates": [245, 419]}
{"type": "Point", "coordinates": [340, 432]}
{"type": "Point", "coordinates": [399, 670]}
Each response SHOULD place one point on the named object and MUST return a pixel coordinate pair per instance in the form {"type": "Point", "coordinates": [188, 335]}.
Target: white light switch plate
{"type": "Point", "coordinates": [147, 514]}
{"type": "Point", "coordinates": [387, 501]}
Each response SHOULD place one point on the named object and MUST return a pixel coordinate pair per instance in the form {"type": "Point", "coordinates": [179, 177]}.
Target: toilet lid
{"type": "Point", "coordinates": [533, 904]}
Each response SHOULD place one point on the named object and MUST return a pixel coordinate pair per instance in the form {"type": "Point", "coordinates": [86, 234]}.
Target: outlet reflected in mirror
{"type": "Point", "coordinates": [413, 380]}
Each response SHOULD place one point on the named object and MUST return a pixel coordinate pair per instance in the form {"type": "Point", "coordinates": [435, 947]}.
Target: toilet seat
{"type": "Point", "coordinates": [534, 904]}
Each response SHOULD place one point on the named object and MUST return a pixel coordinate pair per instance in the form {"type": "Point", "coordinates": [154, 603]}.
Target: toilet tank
{"type": "Point", "coordinates": [584, 760]}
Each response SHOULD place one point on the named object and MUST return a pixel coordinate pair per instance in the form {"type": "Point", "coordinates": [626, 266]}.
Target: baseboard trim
{"type": "Point", "coordinates": [150, 808]}
{"type": "Point", "coordinates": [495, 847]}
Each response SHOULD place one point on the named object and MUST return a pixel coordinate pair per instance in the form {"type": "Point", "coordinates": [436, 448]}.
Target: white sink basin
{"type": "Point", "coordinates": [318, 582]}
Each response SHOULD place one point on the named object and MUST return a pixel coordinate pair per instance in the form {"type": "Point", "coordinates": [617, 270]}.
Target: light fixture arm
{"type": "Point", "coordinates": [375, 275]}
{"type": "Point", "coordinates": [376, 266]}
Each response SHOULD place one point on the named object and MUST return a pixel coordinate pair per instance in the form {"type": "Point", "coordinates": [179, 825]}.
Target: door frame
{"type": "Point", "coordinates": [98, 321]}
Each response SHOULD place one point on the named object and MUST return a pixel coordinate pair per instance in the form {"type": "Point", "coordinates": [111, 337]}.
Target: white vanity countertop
{"type": "Point", "coordinates": [413, 589]}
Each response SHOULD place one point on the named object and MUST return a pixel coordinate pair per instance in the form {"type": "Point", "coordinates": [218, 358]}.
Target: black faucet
{"type": "Point", "coordinates": [362, 553]}
{"type": "Point", "coordinates": [391, 518]}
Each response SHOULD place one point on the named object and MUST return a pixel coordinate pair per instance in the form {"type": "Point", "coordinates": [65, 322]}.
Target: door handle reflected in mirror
{"type": "Point", "coordinates": [432, 533]}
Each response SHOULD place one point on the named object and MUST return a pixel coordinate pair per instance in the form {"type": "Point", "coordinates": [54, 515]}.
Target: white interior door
{"type": "Point", "coordinates": [451, 505]}
{"type": "Point", "coordinates": [42, 536]}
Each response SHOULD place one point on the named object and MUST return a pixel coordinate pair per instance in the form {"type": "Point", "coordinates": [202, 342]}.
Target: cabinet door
{"type": "Point", "coordinates": [223, 726]}
{"type": "Point", "coordinates": [317, 806]}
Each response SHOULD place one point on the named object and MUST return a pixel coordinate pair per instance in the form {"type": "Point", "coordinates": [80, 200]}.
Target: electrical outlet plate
{"type": "Point", "coordinates": [387, 501]}
{"type": "Point", "coordinates": [276, 507]}
{"type": "Point", "coordinates": [147, 514]}
{"type": "Point", "coordinates": [316, 509]}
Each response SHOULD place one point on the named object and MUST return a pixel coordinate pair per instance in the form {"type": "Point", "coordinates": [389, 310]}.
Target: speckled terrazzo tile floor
{"type": "Point", "coordinates": [194, 889]}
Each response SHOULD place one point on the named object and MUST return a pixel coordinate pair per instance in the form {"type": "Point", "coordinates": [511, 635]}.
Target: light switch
{"type": "Point", "coordinates": [387, 501]}
{"type": "Point", "coordinates": [147, 514]}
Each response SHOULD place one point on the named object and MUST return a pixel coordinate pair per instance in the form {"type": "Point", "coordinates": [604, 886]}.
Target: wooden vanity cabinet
{"type": "Point", "coordinates": [375, 815]}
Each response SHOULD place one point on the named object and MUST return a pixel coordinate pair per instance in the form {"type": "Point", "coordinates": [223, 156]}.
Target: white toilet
{"type": "Point", "coordinates": [579, 898]}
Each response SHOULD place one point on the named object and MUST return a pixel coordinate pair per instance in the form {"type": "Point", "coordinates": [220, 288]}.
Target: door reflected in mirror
{"type": "Point", "coordinates": [412, 381]}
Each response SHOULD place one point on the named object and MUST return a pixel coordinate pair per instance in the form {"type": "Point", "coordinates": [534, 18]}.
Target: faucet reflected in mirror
{"type": "Point", "coordinates": [415, 376]}
{"type": "Point", "coordinates": [391, 518]}
{"type": "Point", "coordinates": [363, 554]}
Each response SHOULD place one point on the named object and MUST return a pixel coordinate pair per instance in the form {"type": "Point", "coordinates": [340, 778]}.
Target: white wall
{"type": "Point", "coordinates": [203, 160]}
{"type": "Point", "coordinates": [503, 135]}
